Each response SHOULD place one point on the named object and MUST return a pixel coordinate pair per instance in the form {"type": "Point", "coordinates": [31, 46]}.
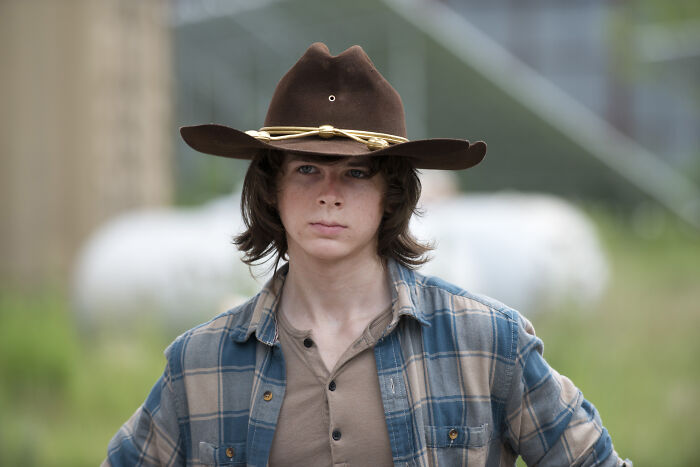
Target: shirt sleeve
{"type": "Point", "coordinates": [549, 423]}
{"type": "Point", "coordinates": [151, 437]}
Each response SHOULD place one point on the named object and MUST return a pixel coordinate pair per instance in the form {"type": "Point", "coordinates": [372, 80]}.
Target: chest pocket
{"type": "Point", "coordinates": [229, 454]}
{"type": "Point", "coordinates": [457, 445]}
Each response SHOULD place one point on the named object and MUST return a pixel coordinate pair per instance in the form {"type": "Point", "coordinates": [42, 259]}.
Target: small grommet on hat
{"type": "Point", "coordinates": [331, 98]}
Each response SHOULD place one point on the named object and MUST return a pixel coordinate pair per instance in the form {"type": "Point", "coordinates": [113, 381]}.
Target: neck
{"type": "Point", "coordinates": [338, 291]}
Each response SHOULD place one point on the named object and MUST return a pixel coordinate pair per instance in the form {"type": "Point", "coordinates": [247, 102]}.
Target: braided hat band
{"type": "Point", "coordinates": [372, 139]}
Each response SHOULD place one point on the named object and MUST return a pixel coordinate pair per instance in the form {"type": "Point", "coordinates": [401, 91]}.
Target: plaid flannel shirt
{"type": "Point", "coordinates": [462, 379]}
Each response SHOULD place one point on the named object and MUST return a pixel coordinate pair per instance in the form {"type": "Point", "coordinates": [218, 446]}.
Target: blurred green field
{"type": "Point", "coordinates": [64, 393]}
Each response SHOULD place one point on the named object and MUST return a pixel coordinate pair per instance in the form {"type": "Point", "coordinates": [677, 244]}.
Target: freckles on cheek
{"type": "Point", "coordinates": [377, 199]}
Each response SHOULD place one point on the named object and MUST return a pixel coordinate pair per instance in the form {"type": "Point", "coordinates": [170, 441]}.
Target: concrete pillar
{"type": "Point", "coordinates": [86, 126]}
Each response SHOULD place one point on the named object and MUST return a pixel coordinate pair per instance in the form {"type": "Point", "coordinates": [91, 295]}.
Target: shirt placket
{"type": "Point", "coordinates": [397, 409]}
{"type": "Point", "coordinates": [335, 396]}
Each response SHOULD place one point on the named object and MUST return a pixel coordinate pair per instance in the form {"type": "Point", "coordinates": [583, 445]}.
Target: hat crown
{"type": "Point", "coordinates": [345, 91]}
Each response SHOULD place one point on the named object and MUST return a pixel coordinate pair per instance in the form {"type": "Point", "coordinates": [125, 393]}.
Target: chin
{"type": "Point", "coordinates": [329, 255]}
{"type": "Point", "coordinates": [327, 250]}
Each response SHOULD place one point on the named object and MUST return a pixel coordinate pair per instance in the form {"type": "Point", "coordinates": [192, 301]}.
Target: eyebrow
{"type": "Point", "coordinates": [350, 161]}
{"type": "Point", "coordinates": [358, 162]}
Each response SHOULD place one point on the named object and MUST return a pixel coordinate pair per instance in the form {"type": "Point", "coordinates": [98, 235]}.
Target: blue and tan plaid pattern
{"type": "Point", "coordinates": [462, 378]}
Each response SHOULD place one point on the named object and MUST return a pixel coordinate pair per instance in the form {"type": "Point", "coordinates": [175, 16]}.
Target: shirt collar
{"type": "Point", "coordinates": [404, 293]}
{"type": "Point", "coordinates": [404, 298]}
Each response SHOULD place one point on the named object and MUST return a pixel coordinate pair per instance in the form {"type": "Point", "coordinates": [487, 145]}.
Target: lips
{"type": "Point", "coordinates": [327, 228]}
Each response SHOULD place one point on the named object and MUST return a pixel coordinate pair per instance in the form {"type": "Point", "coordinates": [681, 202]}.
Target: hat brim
{"type": "Point", "coordinates": [438, 153]}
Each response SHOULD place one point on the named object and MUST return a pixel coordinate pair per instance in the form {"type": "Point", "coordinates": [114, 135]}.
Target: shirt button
{"type": "Point", "coordinates": [230, 452]}
{"type": "Point", "coordinates": [336, 435]}
{"type": "Point", "coordinates": [267, 396]}
{"type": "Point", "coordinates": [308, 342]}
{"type": "Point", "coordinates": [453, 434]}
{"type": "Point", "coordinates": [331, 386]}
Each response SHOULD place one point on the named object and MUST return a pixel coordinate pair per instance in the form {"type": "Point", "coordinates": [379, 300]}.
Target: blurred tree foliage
{"type": "Point", "coordinates": [657, 41]}
{"type": "Point", "coordinates": [677, 18]}
{"type": "Point", "coordinates": [677, 11]}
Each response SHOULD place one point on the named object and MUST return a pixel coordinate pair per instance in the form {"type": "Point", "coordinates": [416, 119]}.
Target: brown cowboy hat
{"type": "Point", "coordinates": [335, 105]}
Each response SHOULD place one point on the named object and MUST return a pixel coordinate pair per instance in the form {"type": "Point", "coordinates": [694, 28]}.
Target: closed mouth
{"type": "Point", "coordinates": [328, 224]}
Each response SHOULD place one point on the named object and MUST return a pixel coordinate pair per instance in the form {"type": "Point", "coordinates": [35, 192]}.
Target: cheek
{"type": "Point", "coordinates": [380, 198]}
{"type": "Point", "coordinates": [284, 206]}
{"type": "Point", "coordinates": [292, 206]}
{"type": "Point", "coordinates": [373, 209]}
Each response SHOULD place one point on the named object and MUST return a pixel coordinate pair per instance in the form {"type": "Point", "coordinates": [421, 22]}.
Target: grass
{"type": "Point", "coordinates": [64, 392]}
{"type": "Point", "coordinates": [635, 354]}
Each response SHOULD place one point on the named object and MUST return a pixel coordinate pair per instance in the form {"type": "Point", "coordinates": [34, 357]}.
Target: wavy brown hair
{"type": "Point", "coordinates": [265, 238]}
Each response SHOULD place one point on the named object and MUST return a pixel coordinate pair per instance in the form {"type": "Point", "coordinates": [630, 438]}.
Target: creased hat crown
{"type": "Point", "coordinates": [345, 91]}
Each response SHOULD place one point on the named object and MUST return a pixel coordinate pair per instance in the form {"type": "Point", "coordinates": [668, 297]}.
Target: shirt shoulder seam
{"type": "Point", "coordinates": [493, 305]}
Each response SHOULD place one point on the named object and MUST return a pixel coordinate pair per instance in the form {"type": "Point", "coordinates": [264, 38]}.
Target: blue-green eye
{"type": "Point", "coordinates": [305, 169]}
{"type": "Point", "coordinates": [357, 173]}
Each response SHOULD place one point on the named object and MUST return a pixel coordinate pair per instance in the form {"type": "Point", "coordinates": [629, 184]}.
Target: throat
{"type": "Point", "coordinates": [331, 299]}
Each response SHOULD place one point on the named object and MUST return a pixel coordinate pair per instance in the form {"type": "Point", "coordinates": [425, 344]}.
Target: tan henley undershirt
{"type": "Point", "coordinates": [331, 418]}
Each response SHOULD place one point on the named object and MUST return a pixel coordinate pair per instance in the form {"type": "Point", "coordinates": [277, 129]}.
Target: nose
{"type": "Point", "coordinates": [330, 194]}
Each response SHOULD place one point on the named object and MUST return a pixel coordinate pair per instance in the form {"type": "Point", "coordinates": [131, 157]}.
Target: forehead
{"type": "Point", "coordinates": [353, 161]}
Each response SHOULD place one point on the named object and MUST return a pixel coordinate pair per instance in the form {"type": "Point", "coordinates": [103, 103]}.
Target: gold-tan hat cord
{"type": "Point", "coordinates": [372, 139]}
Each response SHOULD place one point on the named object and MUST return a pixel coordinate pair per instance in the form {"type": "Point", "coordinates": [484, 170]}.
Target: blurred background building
{"type": "Point", "coordinates": [85, 129]}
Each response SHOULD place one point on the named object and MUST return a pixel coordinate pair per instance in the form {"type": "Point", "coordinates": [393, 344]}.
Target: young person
{"type": "Point", "coordinates": [348, 356]}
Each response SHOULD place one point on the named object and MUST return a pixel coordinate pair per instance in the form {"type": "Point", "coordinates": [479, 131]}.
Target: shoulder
{"type": "Point", "coordinates": [477, 319]}
{"type": "Point", "coordinates": [436, 295]}
{"type": "Point", "coordinates": [203, 345]}
{"type": "Point", "coordinates": [477, 334]}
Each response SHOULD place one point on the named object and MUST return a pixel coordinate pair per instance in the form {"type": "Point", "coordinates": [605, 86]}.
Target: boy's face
{"type": "Point", "coordinates": [330, 211]}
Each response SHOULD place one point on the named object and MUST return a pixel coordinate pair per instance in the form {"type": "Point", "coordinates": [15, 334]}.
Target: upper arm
{"type": "Point", "coordinates": [548, 420]}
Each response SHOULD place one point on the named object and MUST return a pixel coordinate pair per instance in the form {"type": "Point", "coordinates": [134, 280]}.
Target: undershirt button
{"type": "Point", "coordinates": [331, 386]}
{"type": "Point", "coordinates": [308, 342]}
{"type": "Point", "coordinates": [336, 435]}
